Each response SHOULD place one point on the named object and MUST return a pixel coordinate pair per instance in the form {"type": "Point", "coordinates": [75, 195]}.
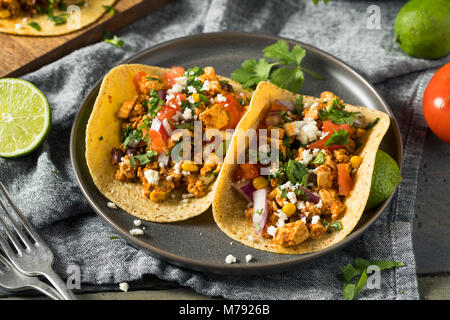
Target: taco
{"type": "Point", "coordinates": [49, 17]}
{"type": "Point", "coordinates": [311, 191]}
{"type": "Point", "coordinates": [141, 146]}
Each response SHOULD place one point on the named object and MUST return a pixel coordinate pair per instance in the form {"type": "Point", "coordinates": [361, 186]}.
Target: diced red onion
{"type": "Point", "coordinates": [260, 205]}
{"type": "Point", "coordinates": [156, 124]}
{"type": "Point", "coordinates": [311, 196]}
{"type": "Point", "coordinates": [290, 105]}
{"type": "Point", "coordinates": [167, 126]}
{"type": "Point", "coordinates": [133, 143]}
{"type": "Point", "coordinates": [164, 159]}
{"type": "Point", "coordinates": [245, 188]}
{"type": "Point", "coordinates": [162, 94]}
{"type": "Point", "coordinates": [273, 118]}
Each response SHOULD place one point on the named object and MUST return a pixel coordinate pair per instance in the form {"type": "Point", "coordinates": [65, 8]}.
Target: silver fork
{"type": "Point", "coordinates": [12, 279]}
{"type": "Point", "coordinates": [31, 258]}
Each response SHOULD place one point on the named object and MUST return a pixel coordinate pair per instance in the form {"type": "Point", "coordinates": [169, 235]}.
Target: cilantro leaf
{"type": "Point", "coordinates": [382, 264]}
{"type": "Point", "coordinates": [155, 103]}
{"type": "Point", "coordinates": [372, 124]}
{"type": "Point", "coordinates": [252, 72]}
{"type": "Point", "coordinates": [288, 79]}
{"type": "Point", "coordinates": [337, 114]}
{"type": "Point", "coordinates": [34, 25]}
{"type": "Point", "coordinates": [280, 50]}
{"type": "Point", "coordinates": [350, 291]}
{"type": "Point", "coordinates": [114, 41]}
{"type": "Point", "coordinates": [58, 20]}
{"type": "Point", "coordinates": [320, 159]}
{"type": "Point", "coordinates": [338, 138]}
{"type": "Point", "coordinates": [297, 172]}
{"type": "Point", "coordinates": [143, 158]}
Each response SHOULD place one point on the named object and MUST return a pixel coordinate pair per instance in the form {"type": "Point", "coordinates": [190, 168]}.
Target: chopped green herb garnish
{"type": "Point", "coordinates": [372, 124]}
{"type": "Point", "coordinates": [155, 103]}
{"type": "Point", "coordinates": [259, 212]}
{"type": "Point", "coordinates": [337, 114]}
{"type": "Point", "coordinates": [152, 79]}
{"type": "Point", "coordinates": [109, 9]}
{"type": "Point", "coordinates": [320, 159]}
{"type": "Point", "coordinates": [133, 135]}
{"type": "Point", "coordinates": [114, 40]}
{"type": "Point", "coordinates": [143, 158]}
{"type": "Point", "coordinates": [186, 125]}
{"type": "Point", "coordinates": [336, 226]}
{"type": "Point", "coordinates": [58, 20]}
{"type": "Point", "coordinates": [34, 25]}
{"type": "Point", "coordinates": [349, 271]}
{"type": "Point", "coordinates": [100, 138]}
{"type": "Point", "coordinates": [113, 237]}
{"type": "Point", "coordinates": [338, 138]}
{"type": "Point", "coordinates": [297, 172]}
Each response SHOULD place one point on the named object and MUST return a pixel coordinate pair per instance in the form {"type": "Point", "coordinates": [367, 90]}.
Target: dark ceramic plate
{"type": "Point", "coordinates": [198, 243]}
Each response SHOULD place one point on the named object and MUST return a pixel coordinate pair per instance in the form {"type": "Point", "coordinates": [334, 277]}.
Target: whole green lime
{"type": "Point", "coordinates": [386, 176]}
{"type": "Point", "coordinates": [422, 28]}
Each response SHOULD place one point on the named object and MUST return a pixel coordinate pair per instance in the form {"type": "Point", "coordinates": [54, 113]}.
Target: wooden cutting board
{"type": "Point", "coordinates": [22, 54]}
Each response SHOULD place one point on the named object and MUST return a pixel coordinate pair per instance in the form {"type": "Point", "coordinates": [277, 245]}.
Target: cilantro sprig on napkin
{"type": "Point", "coordinates": [349, 271]}
{"type": "Point", "coordinates": [282, 69]}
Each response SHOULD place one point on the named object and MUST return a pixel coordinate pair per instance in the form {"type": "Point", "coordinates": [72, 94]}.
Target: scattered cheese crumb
{"type": "Point", "coordinates": [272, 231]}
{"type": "Point", "coordinates": [248, 257]}
{"type": "Point", "coordinates": [315, 219]}
{"type": "Point", "coordinates": [152, 176]}
{"type": "Point", "coordinates": [124, 286]}
{"type": "Point", "coordinates": [137, 223]}
{"type": "Point", "coordinates": [136, 232]}
{"type": "Point", "coordinates": [111, 205]}
{"type": "Point", "coordinates": [230, 259]}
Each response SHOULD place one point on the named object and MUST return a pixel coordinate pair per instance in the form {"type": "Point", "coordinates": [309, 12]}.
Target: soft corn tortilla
{"type": "Point", "coordinates": [117, 87]}
{"type": "Point", "coordinates": [90, 11]}
{"type": "Point", "coordinates": [229, 206]}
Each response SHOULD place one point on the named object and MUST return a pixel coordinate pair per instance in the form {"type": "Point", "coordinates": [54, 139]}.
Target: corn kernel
{"type": "Point", "coordinates": [196, 97]}
{"type": "Point", "coordinates": [271, 196]}
{"type": "Point", "coordinates": [157, 196]}
{"type": "Point", "coordinates": [189, 166]}
{"type": "Point", "coordinates": [260, 183]}
{"type": "Point", "coordinates": [355, 161]}
{"type": "Point", "coordinates": [289, 209]}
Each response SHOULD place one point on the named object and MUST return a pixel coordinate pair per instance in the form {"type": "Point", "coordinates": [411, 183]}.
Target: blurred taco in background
{"type": "Point", "coordinates": [49, 17]}
{"type": "Point", "coordinates": [140, 144]}
{"type": "Point", "coordinates": [315, 191]}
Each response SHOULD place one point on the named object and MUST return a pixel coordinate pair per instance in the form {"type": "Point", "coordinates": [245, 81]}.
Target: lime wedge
{"type": "Point", "coordinates": [24, 117]}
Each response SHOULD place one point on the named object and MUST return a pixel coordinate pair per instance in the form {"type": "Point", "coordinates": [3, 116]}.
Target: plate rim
{"type": "Point", "coordinates": [196, 265]}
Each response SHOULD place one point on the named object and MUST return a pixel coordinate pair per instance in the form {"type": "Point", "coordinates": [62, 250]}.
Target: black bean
{"type": "Point", "coordinates": [116, 155]}
{"type": "Point", "coordinates": [227, 87]}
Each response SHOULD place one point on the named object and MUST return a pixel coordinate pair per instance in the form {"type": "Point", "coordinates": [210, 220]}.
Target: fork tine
{"type": "Point", "coordinates": [24, 220]}
{"type": "Point", "coordinates": [6, 247]}
{"type": "Point", "coordinates": [11, 235]}
{"type": "Point", "coordinates": [16, 226]}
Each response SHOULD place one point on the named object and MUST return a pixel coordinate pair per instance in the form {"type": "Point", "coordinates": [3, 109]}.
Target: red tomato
{"type": "Point", "coordinates": [249, 171]}
{"type": "Point", "coordinates": [234, 110]}
{"type": "Point", "coordinates": [345, 181]}
{"type": "Point", "coordinates": [158, 141]}
{"type": "Point", "coordinates": [137, 79]}
{"type": "Point", "coordinates": [238, 174]}
{"type": "Point", "coordinates": [330, 127]}
{"type": "Point", "coordinates": [436, 103]}
{"type": "Point", "coordinates": [174, 72]}
{"type": "Point", "coordinates": [172, 106]}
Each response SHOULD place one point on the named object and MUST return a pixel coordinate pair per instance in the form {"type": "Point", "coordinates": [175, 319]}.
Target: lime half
{"type": "Point", "coordinates": [24, 117]}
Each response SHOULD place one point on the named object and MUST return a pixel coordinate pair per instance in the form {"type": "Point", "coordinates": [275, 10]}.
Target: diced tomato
{"type": "Point", "coordinates": [175, 72]}
{"type": "Point", "coordinates": [234, 110]}
{"type": "Point", "coordinates": [330, 127]}
{"type": "Point", "coordinates": [137, 79]}
{"type": "Point", "coordinates": [345, 181]}
{"type": "Point", "coordinates": [320, 144]}
{"type": "Point", "coordinates": [172, 107]}
{"type": "Point", "coordinates": [159, 141]}
{"type": "Point", "coordinates": [249, 171]}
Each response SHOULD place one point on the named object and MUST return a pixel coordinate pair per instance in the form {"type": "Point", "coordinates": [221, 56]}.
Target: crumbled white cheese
{"type": "Point", "coordinates": [124, 286]}
{"type": "Point", "coordinates": [137, 223]}
{"type": "Point", "coordinates": [272, 231]}
{"type": "Point", "coordinates": [221, 98]}
{"type": "Point", "coordinates": [152, 176]}
{"type": "Point", "coordinates": [18, 26]}
{"type": "Point", "coordinates": [287, 186]}
{"type": "Point", "coordinates": [307, 156]}
{"type": "Point", "coordinates": [323, 135]}
{"type": "Point", "coordinates": [111, 205]}
{"type": "Point", "coordinates": [303, 220]}
{"type": "Point", "coordinates": [205, 86]}
{"type": "Point", "coordinates": [185, 173]}
{"type": "Point", "coordinates": [187, 114]}
{"type": "Point", "coordinates": [176, 168]}
{"type": "Point", "coordinates": [315, 219]}
{"type": "Point", "coordinates": [282, 217]}
{"type": "Point", "coordinates": [248, 257]}
{"type": "Point", "coordinates": [319, 204]}
{"type": "Point", "coordinates": [292, 197]}
{"type": "Point", "coordinates": [300, 205]}
{"type": "Point", "coordinates": [308, 132]}
{"type": "Point", "coordinates": [170, 97]}
{"type": "Point", "coordinates": [187, 195]}
{"type": "Point", "coordinates": [169, 178]}
{"type": "Point", "coordinates": [136, 232]}
{"type": "Point", "coordinates": [230, 259]}
{"type": "Point", "coordinates": [191, 89]}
